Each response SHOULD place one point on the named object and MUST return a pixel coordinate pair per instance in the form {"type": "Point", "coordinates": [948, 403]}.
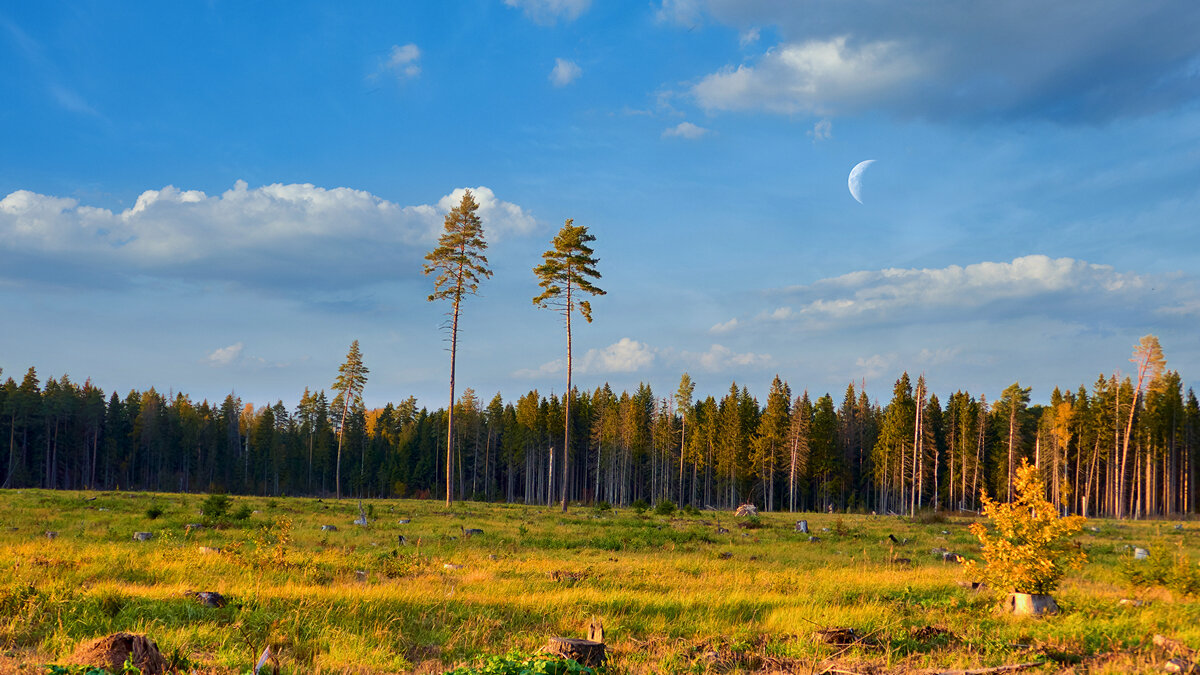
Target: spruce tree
{"type": "Point", "coordinates": [567, 271]}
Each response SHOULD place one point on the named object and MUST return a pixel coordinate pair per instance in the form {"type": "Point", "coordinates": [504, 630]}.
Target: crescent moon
{"type": "Point", "coordinates": [855, 180]}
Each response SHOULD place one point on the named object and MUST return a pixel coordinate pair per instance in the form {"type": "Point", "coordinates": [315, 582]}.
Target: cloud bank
{"type": "Point", "coordinates": [945, 60]}
{"type": "Point", "coordinates": [1064, 288]}
{"type": "Point", "coordinates": [275, 236]}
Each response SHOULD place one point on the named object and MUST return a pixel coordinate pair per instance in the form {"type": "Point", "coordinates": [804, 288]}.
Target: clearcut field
{"type": "Point", "coordinates": [674, 595]}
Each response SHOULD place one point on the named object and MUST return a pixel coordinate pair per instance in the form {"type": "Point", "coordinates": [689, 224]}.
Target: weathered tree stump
{"type": "Point", "coordinates": [51, 535]}
{"type": "Point", "coordinates": [1030, 604]}
{"type": "Point", "coordinates": [329, 528]}
{"type": "Point", "coordinates": [113, 651]}
{"type": "Point", "coordinates": [586, 652]}
{"type": "Point", "coordinates": [143, 536]}
{"type": "Point", "coordinates": [802, 526]}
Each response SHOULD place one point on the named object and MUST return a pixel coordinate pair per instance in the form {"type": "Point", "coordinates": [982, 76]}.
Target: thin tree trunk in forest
{"type": "Point", "coordinates": [682, 447]}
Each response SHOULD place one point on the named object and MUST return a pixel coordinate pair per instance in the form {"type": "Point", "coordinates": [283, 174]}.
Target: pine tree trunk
{"type": "Point", "coordinates": [567, 406]}
{"type": "Point", "coordinates": [450, 410]}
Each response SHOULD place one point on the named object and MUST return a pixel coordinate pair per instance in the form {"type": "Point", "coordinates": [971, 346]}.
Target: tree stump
{"type": "Point", "coordinates": [113, 651]}
{"type": "Point", "coordinates": [802, 526]}
{"type": "Point", "coordinates": [586, 652]}
{"type": "Point", "coordinates": [51, 535]}
{"type": "Point", "coordinates": [142, 536]}
{"type": "Point", "coordinates": [1030, 604]}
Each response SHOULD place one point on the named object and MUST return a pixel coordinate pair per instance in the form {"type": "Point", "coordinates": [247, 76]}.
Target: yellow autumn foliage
{"type": "Point", "coordinates": [1031, 548]}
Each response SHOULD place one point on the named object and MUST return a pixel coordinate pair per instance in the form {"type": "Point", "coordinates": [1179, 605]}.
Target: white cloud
{"type": "Point", "coordinates": [938, 357]}
{"type": "Point", "coordinates": [272, 236]}
{"type": "Point", "coordinates": [549, 11]}
{"type": "Point", "coordinates": [565, 72]}
{"type": "Point", "coordinates": [748, 37]}
{"type": "Point", "coordinates": [875, 365]}
{"type": "Point", "coordinates": [777, 314]}
{"type": "Point", "coordinates": [887, 293]}
{"type": "Point", "coordinates": [548, 368]}
{"type": "Point", "coordinates": [623, 356]}
{"type": "Point", "coordinates": [822, 131]}
{"type": "Point", "coordinates": [403, 60]}
{"type": "Point", "coordinates": [500, 218]}
{"type": "Point", "coordinates": [682, 12]}
{"type": "Point", "coordinates": [822, 77]}
{"type": "Point", "coordinates": [226, 355]}
{"type": "Point", "coordinates": [724, 327]}
{"type": "Point", "coordinates": [685, 130]}
{"type": "Point", "coordinates": [721, 358]}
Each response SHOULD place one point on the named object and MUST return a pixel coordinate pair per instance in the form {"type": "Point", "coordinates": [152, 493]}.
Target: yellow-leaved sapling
{"type": "Point", "coordinates": [1030, 549]}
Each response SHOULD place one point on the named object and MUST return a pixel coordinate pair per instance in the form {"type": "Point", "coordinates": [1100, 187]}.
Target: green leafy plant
{"type": "Point", "coordinates": [243, 513]}
{"type": "Point", "coordinates": [640, 506]}
{"type": "Point", "coordinates": [665, 508]}
{"type": "Point", "coordinates": [516, 663]}
{"type": "Point", "coordinates": [154, 512]}
{"type": "Point", "coordinates": [1031, 548]}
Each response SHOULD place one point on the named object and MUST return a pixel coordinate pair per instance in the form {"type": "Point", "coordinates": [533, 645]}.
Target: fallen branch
{"type": "Point", "coordinates": [994, 670]}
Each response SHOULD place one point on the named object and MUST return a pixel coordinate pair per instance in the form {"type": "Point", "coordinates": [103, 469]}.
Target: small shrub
{"type": "Point", "coordinates": [753, 522]}
{"type": "Point", "coordinates": [1030, 551]}
{"type": "Point", "coordinates": [1177, 573]}
{"type": "Point", "coordinates": [154, 512]}
{"type": "Point", "coordinates": [691, 510]}
{"type": "Point", "coordinates": [839, 527]}
{"type": "Point", "coordinates": [665, 508]}
{"type": "Point", "coordinates": [640, 506]}
{"type": "Point", "coordinates": [242, 513]}
{"type": "Point", "coordinates": [215, 507]}
{"type": "Point", "coordinates": [603, 507]}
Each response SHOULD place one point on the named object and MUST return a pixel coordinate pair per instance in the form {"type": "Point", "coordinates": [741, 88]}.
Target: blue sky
{"type": "Point", "coordinates": [213, 196]}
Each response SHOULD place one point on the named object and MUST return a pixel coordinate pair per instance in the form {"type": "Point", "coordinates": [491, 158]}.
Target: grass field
{"type": "Point", "coordinates": [674, 595]}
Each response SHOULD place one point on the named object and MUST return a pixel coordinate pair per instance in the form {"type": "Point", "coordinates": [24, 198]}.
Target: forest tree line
{"type": "Point", "coordinates": [1102, 450]}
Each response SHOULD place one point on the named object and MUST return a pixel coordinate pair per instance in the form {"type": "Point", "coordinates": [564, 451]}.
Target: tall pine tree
{"type": "Point", "coordinates": [459, 262]}
{"type": "Point", "coordinates": [566, 272]}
